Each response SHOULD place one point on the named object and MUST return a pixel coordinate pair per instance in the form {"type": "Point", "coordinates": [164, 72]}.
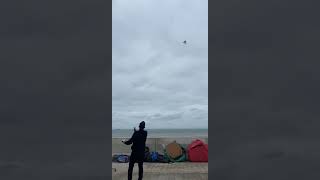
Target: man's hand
{"type": "Point", "coordinates": [123, 141]}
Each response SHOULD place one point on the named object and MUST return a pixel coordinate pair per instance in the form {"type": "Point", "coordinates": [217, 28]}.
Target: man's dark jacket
{"type": "Point", "coordinates": [138, 141]}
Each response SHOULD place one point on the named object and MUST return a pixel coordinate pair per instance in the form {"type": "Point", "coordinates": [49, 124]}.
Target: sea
{"type": "Point", "coordinates": [162, 133]}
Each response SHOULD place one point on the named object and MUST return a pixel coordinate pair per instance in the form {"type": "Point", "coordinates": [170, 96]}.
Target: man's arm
{"type": "Point", "coordinates": [130, 141]}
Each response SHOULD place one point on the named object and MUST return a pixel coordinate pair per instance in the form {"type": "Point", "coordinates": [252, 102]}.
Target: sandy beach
{"type": "Point", "coordinates": [163, 171]}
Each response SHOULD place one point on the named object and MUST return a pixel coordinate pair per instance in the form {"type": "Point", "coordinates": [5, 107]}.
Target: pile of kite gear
{"type": "Point", "coordinates": [197, 151]}
{"type": "Point", "coordinates": [154, 157]}
{"type": "Point", "coordinates": [120, 158]}
{"type": "Point", "coordinates": [175, 152]}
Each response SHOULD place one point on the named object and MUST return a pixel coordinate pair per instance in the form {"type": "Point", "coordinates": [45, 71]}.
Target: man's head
{"type": "Point", "coordinates": [142, 125]}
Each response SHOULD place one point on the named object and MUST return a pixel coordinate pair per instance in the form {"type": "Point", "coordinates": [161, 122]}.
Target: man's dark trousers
{"type": "Point", "coordinates": [136, 158]}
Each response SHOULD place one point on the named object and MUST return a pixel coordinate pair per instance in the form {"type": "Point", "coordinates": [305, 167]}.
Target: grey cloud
{"type": "Point", "coordinates": [155, 77]}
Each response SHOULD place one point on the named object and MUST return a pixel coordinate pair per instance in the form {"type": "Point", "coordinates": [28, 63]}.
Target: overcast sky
{"type": "Point", "coordinates": [156, 78]}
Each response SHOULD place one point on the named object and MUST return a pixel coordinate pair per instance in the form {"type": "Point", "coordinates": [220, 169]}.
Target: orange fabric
{"type": "Point", "coordinates": [174, 150]}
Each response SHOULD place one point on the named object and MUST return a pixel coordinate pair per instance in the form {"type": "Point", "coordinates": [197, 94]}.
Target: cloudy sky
{"type": "Point", "coordinates": [155, 77]}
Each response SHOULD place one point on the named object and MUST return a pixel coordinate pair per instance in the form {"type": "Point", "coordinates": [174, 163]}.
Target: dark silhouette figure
{"type": "Point", "coordinates": [138, 141]}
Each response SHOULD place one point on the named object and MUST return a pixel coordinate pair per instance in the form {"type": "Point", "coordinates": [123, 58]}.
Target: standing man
{"type": "Point", "coordinates": [138, 141]}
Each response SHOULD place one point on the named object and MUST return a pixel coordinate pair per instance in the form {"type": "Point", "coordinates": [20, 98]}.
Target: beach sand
{"type": "Point", "coordinates": [163, 171]}
{"type": "Point", "coordinates": [160, 171]}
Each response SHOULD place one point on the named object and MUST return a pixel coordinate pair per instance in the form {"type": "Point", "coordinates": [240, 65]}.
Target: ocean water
{"type": "Point", "coordinates": [163, 133]}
